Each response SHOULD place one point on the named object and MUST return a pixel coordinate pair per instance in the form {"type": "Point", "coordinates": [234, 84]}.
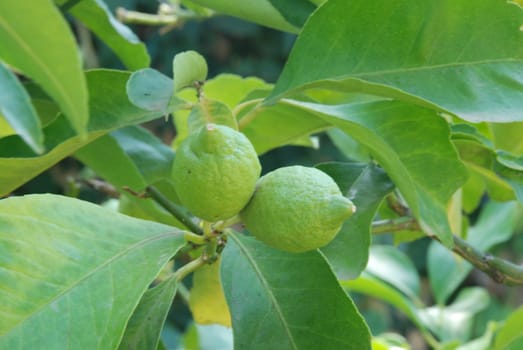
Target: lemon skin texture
{"type": "Point", "coordinates": [296, 209]}
{"type": "Point", "coordinates": [215, 171]}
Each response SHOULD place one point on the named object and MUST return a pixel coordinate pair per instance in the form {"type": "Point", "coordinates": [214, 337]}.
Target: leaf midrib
{"type": "Point", "coordinates": [89, 275]}
{"type": "Point", "coordinates": [40, 63]}
{"type": "Point", "coordinates": [259, 273]}
{"type": "Point", "coordinates": [429, 67]}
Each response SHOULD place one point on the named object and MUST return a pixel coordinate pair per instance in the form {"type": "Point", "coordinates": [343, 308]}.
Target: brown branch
{"type": "Point", "coordinates": [500, 270]}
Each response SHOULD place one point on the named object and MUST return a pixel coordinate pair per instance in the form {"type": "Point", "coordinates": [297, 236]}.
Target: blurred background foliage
{"type": "Point", "coordinates": [234, 46]}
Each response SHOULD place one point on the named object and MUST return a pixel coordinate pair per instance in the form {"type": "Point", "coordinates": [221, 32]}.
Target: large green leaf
{"type": "Point", "coordinates": [73, 272]}
{"type": "Point", "coordinates": [110, 109]}
{"type": "Point", "coordinates": [126, 45]}
{"type": "Point", "coordinates": [464, 57]}
{"type": "Point", "coordinates": [16, 108]}
{"type": "Point", "coordinates": [262, 12]}
{"type": "Point", "coordinates": [144, 328]}
{"type": "Point", "coordinates": [412, 145]}
{"type": "Point", "coordinates": [269, 293]}
{"type": "Point", "coordinates": [365, 185]}
{"type": "Point", "coordinates": [37, 40]}
{"type": "Point", "coordinates": [447, 271]}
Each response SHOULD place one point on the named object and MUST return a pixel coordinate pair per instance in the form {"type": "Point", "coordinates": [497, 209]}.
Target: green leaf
{"type": "Point", "coordinates": [456, 320]}
{"type": "Point", "coordinates": [226, 88]}
{"type": "Point", "coordinates": [125, 44]}
{"type": "Point", "coordinates": [16, 108]}
{"type": "Point", "coordinates": [261, 12]}
{"type": "Point", "coordinates": [507, 136]}
{"type": "Point", "coordinates": [269, 294]}
{"type": "Point", "coordinates": [366, 185]}
{"type": "Point", "coordinates": [372, 286]}
{"type": "Point", "coordinates": [479, 160]}
{"type": "Point", "coordinates": [396, 135]}
{"type": "Point", "coordinates": [511, 333]}
{"type": "Point", "coordinates": [210, 111]}
{"type": "Point", "coordinates": [110, 109]}
{"type": "Point", "coordinates": [145, 325]}
{"type": "Point", "coordinates": [151, 90]}
{"type": "Point", "coordinates": [150, 159]}
{"type": "Point", "coordinates": [295, 12]}
{"type": "Point", "coordinates": [73, 272]}
{"type": "Point", "coordinates": [446, 271]}
{"type": "Point", "coordinates": [45, 53]}
{"type": "Point", "coordinates": [107, 158]}
{"type": "Point", "coordinates": [189, 67]}
{"type": "Point", "coordinates": [389, 264]}
{"type": "Point", "coordinates": [461, 57]}
{"type": "Point", "coordinates": [291, 123]}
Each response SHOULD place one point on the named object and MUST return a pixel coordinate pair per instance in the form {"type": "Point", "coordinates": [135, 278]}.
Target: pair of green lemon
{"type": "Point", "coordinates": [216, 173]}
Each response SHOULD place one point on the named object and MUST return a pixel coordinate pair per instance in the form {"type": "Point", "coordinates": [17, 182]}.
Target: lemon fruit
{"type": "Point", "coordinates": [296, 209]}
{"type": "Point", "coordinates": [215, 171]}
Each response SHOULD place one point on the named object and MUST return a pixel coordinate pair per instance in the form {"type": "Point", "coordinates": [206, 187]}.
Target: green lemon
{"type": "Point", "coordinates": [296, 209]}
{"type": "Point", "coordinates": [215, 172]}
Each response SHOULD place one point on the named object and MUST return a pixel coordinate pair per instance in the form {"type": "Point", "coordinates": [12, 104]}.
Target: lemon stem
{"type": "Point", "coordinates": [174, 209]}
{"type": "Point", "coordinates": [186, 269]}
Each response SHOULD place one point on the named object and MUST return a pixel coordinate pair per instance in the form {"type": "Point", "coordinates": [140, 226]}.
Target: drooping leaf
{"type": "Point", "coordinates": [425, 169]}
{"type": "Point", "coordinates": [389, 264]}
{"type": "Point", "coordinates": [145, 325]}
{"type": "Point", "coordinates": [471, 66]}
{"type": "Point", "coordinates": [261, 12]}
{"type": "Point", "coordinates": [447, 271]}
{"type": "Point", "coordinates": [16, 108]}
{"type": "Point", "coordinates": [110, 109]}
{"type": "Point", "coordinates": [66, 277]}
{"type": "Point", "coordinates": [455, 321]}
{"type": "Point", "coordinates": [269, 293]}
{"type": "Point", "coordinates": [366, 185]}
{"type": "Point", "coordinates": [373, 286]}
{"type": "Point", "coordinates": [189, 67]}
{"type": "Point", "coordinates": [42, 46]}
{"type": "Point", "coordinates": [207, 301]}
{"type": "Point", "coordinates": [125, 44]}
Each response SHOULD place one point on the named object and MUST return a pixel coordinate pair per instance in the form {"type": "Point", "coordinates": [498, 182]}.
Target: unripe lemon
{"type": "Point", "coordinates": [296, 209]}
{"type": "Point", "coordinates": [215, 172]}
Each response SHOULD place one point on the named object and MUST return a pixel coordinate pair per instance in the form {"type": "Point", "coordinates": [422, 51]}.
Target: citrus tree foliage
{"type": "Point", "coordinates": [424, 99]}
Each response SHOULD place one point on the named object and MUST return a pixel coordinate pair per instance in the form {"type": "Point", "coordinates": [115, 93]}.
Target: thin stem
{"type": "Point", "coordinates": [500, 270]}
{"type": "Point", "coordinates": [174, 209]}
{"type": "Point", "coordinates": [392, 225]}
{"type": "Point", "coordinates": [127, 16]}
{"type": "Point", "coordinates": [186, 269]}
